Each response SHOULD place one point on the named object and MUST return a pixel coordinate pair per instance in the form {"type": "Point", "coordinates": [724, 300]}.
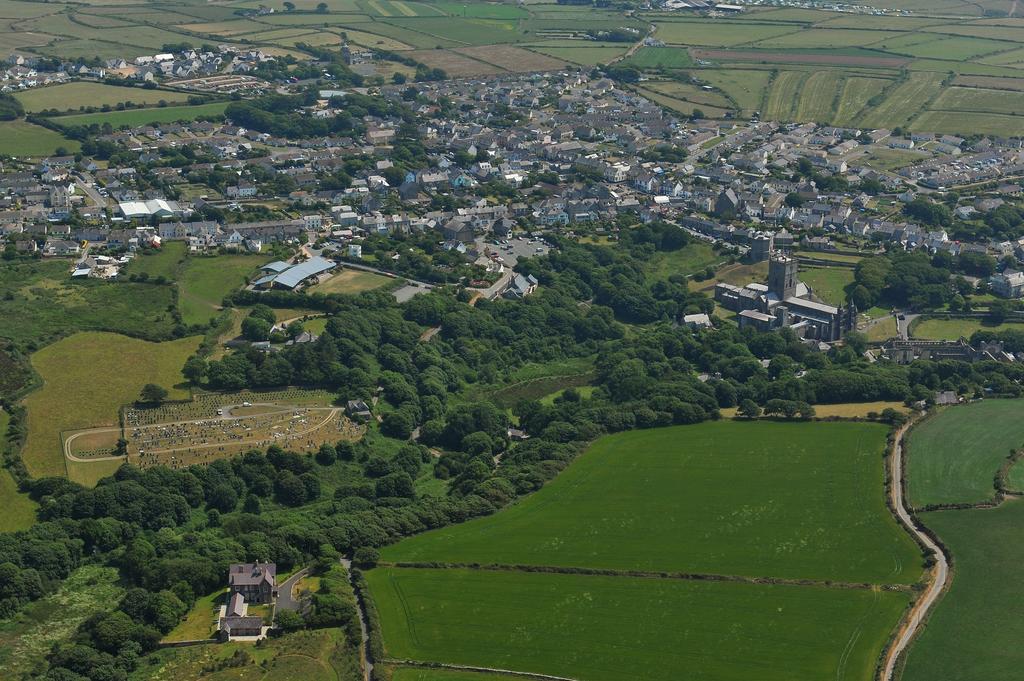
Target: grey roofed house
{"type": "Point", "coordinates": [358, 410]}
{"type": "Point", "coordinates": [521, 286]}
{"type": "Point", "coordinates": [295, 275]}
{"type": "Point", "coordinates": [241, 626]}
{"type": "Point", "coordinates": [277, 266]}
{"type": "Point", "coordinates": [255, 581]}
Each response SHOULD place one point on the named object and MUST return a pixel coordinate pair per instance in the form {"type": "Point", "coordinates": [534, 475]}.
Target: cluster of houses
{"type": "Point", "coordinates": [575, 153]}
{"type": "Point", "coordinates": [24, 71]}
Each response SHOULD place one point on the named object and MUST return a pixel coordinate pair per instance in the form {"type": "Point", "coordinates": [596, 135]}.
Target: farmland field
{"type": "Point", "coordinates": [134, 117]}
{"type": "Point", "coordinates": [955, 454]}
{"type": "Point", "coordinates": [73, 95]}
{"type": "Point", "coordinates": [87, 377]}
{"type": "Point", "coordinates": [21, 138]}
{"type": "Point", "coordinates": [162, 263]}
{"type": "Point", "coordinates": [973, 634]}
{"type": "Point", "coordinates": [696, 256]}
{"type": "Point", "coordinates": [759, 506]}
{"type": "Point", "coordinates": [611, 628]}
{"type": "Point", "coordinates": [19, 510]}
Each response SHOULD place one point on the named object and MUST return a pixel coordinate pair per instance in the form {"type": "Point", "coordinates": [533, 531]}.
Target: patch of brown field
{"type": "Point", "coordinates": [513, 58]}
{"type": "Point", "coordinates": [991, 82]}
{"type": "Point", "coordinates": [97, 443]}
{"type": "Point", "coordinates": [798, 58]}
{"type": "Point", "coordinates": [453, 63]}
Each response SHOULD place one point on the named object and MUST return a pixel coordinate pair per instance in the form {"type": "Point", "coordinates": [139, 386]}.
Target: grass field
{"type": "Point", "coordinates": [87, 377]}
{"type": "Point", "coordinates": [73, 95]}
{"type": "Point", "coordinates": [162, 263]}
{"type": "Point", "coordinates": [974, 632]}
{"type": "Point", "coordinates": [205, 281]}
{"type": "Point", "coordinates": [846, 410]}
{"type": "Point", "coordinates": [613, 628]}
{"type": "Point", "coordinates": [954, 455]}
{"type": "Point", "coordinates": [828, 283]}
{"type": "Point", "coordinates": [952, 329]}
{"type": "Point", "coordinates": [351, 281]}
{"type": "Point", "coordinates": [412, 674]}
{"type": "Point", "coordinates": [883, 330]}
{"type": "Point", "coordinates": [696, 256]}
{"type": "Point", "coordinates": [201, 620]}
{"type": "Point", "coordinates": [762, 505]}
{"type": "Point", "coordinates": [20, 138]}
{"type": "Point", "coordinates": [136, 117]}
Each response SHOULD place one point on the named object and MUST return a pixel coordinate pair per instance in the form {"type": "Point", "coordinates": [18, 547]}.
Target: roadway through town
{"type": "Point", "coordinates": [940, 573]}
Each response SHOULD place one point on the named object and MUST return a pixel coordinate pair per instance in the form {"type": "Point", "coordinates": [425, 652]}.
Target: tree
{"type": "Point", "coordinates": [749, 409]}
{"type": "Point", "coordinates": [195, 369]}
{"type": "Point", "coordinates": [289, 620]}
{"type": "Point", "coordinates": [152, 394]}
{"type": "Point", "coordinates": [256, 329]}
{"type": "Point", "coordinates": [321, 8]}
{"type": "Point", "coordinates": [289, 6]}
{"type": "Point", "coordinates": [366, 557]}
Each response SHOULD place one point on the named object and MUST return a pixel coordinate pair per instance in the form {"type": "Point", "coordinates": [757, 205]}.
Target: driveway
{"type": "Point", "coordinates": [285, 600]}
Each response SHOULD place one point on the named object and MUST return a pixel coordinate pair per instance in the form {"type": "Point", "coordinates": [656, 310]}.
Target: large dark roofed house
{"type": "Point", "coordinates": [255, 581]}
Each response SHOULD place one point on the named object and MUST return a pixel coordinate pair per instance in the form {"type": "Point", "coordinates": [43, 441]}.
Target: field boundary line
{"type": "Point", "coordinates": [473, 668]}
{"type": "Point", "coordinates": [644, 574]}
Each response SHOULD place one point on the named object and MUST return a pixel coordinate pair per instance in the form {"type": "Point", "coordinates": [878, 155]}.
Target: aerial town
{"type": "Point", "coordinates": [571, 340]}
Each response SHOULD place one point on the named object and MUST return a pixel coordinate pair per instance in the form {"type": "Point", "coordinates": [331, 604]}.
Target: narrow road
{"type": "Point", "coordinates": [903, 325]}
{"type": "Point", "coordinates": [940, 574]}
{"type": "Point", "coordinates": [364, 648]}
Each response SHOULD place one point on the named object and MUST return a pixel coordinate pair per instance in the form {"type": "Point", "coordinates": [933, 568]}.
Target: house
{"type": "Point", "coordinates": [520, 286]}
{"type": "Point", "coordinates": [256, 582]}
{"type": "Point", "coordinates": [234, 620]}
{"type": "Point", "coordinates": [1008, 284]}
{"type": "Point", "coordinates": [357, 410]}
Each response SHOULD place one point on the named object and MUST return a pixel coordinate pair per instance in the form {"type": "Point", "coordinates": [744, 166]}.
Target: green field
{"type": "Point", "coordinates": [74, 95]}
{"type": "Point", "coordinates": [660, 58]}
{"type": "Point", "coordinates": [49, 305]}
{"type": "Point", "coordinates": [829, 283]}
{"type": "Point", "coordinates": [412, 674]}
{"type": "Point", "coordinates": [137, 117]}
{"type": "Point", "coordinates": [696, 256]}
{"type": "Point", "coordinates": [765, 504]}
{"type": "Point", "coordinates": [613, 628]}
{"type": "Point", "coordinates": [87, 377]}
{"type": "Point", "coordinates": [952, 329]}
{"type": "Point", "coordinates": [20, 138]}
{"type": "Point", "coordinates": [955, 454]}
{"type": "Point", "coordinates": [205, 281]}
{"type": "Point", "coordinates": [162, 263]}
{"type": "Point", "coordinates": [975, 632]}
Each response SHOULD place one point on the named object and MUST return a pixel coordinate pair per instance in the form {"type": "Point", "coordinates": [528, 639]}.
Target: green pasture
{"type": "Point", "coordinates": [755, 499]}
{"type": "Point", "coordinates": [952, 329]}
{"type": "Point", "coordinates": [164, 262]}
{"type": "Point", "coordinates": [19, 510]}
{"type": "Point", "coordinates": [694, 257]}
{"type": "Point", "coordinates": [954, 455]}
{"type": "Point", "coordinates": [611, 628]}
{"type": "Point", "coordinates": [975, 631]}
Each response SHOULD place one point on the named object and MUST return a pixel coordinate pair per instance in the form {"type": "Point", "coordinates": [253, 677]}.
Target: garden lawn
{"type": "Point", "coordinates": [87, 377]}
{"type": "Point", "coordinates": [604, 628]}
{"type": "Point", "coordinates": [976, 630]}
{"type": "Point", "coordinates": [763, 499]}
{"type": "Point", "coordinates": [135, 117]}
{"type": "Point", "coordinates": [205, 281]}
{"type": "Point", "coordinates": [954, 455]}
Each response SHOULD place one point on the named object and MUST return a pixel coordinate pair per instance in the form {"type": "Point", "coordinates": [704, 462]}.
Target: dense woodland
{"type": "Point", "coordinates": [172, 533]}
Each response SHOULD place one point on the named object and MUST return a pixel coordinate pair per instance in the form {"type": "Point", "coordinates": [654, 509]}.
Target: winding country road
{"type": "Point", "coordinates": [940, 575]}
